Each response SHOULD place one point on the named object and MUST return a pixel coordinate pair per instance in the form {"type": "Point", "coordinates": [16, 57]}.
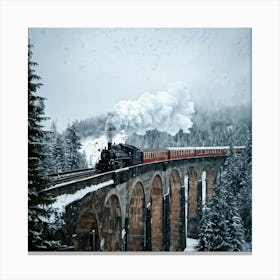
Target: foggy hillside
{"type": "Point", "coordinates": [210, 128]}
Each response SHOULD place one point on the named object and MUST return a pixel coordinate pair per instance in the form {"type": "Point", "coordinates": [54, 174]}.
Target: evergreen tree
{"type": "Point", "coordinates": [206, 231]}
{"type": "Point", "coordinates": [57, 157]}
{"type": "Point", "coordinates": [235, 225]}
{"type": "Point", "coordinates": [58, 154]}
{"type": "Point", "coordinates": [222, 227]}
{"type": "Point", "coordinates": [214, 234]}
{"type": "Point", "coordinates": [245, 195]}
{"type": "Point", "coordinates": [73, 145]}
{"type": "Point", "coordinates": [47, 162]}
{"type": "Point", "coordinates": [38, 201]}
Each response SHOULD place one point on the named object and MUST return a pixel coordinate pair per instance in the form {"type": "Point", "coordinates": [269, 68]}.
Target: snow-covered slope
{"type": "Point", "coordinates": [94, 146]}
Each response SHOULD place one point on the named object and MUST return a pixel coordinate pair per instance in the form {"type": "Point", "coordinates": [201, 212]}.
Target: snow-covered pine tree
{"type": "Point", "coordinates": [235, 225]}
{"type": "Point", "coordinates": [221, 225]}
{"type": "Point", "coordinates": [206, 236]}
{"type": "Point", "coordinates": [48, 163]}
{"type": "Point", "coordinates": [58, 154]}
{"type": "Point", "coordinates": [245, 195]}
{"type": "Point", "coordinates": [38, 201]}
{"type": "Point", "coordinates": [72, 147]}
{"type": "Point", "coordinates": [213, 234]}
{"type": "Point", "coordinates": [57, 158]}
{"type": "Point", "coordinates": [231, 185]}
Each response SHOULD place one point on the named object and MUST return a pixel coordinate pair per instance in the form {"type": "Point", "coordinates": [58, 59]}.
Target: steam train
{"type": "Point", "coordinates": [123, 155]}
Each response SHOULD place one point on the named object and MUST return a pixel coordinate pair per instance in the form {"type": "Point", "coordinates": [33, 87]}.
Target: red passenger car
{"type": "Point", "coordinates": [151, 155]}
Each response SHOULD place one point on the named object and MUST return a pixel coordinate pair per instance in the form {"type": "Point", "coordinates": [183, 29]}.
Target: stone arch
{"type": "Point", "coordinates": [156, 214]}
{"type": "Point", "coordinates": [210, 180]}
{"type": "Point", "coordinates": [87, 232]}
{"type": "Point", "coordinates": [192, 201]}
{"type": "Point", "coordinates": [136, 219]}
{"type": "Point", "coordinates": [175, 208]}
{"type": "Point", "coordinates": [111, 226]}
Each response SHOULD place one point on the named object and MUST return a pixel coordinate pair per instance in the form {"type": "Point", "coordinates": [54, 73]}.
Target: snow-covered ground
{"type": "Point", "coordinates": [94, 146]}
{"type": "Point", "coordinates": [191, 243]}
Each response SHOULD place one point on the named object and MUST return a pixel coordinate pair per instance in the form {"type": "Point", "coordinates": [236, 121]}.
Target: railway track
{"type": "Point", "coordinates": [62, 177]}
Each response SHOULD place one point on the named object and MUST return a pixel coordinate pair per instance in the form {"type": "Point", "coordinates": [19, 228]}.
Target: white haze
{"type": "Point", "coordinates": [93, 147]}
{"type": "Point", "coordinates": [168, 111]}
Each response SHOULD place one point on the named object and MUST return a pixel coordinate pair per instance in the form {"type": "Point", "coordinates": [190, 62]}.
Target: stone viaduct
{"type": "Point", "coordinates": [148, 207]}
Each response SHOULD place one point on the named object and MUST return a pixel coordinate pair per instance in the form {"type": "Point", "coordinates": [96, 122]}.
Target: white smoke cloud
{"type": "Point", "coordinates": [167, 111]}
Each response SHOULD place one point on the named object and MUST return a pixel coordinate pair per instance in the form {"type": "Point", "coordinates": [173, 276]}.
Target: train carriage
{"type": "Point", "coordinates": [181, 152]}
{"type": "Point", "coordinates": [151, 155]}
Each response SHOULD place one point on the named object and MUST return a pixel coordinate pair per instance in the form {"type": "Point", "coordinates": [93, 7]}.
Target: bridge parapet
{"type": "Point", "coordinates": [72, 186]}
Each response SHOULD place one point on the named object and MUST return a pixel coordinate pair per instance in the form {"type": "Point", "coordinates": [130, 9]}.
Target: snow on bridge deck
{"type": "Point", "coordinates": [61, 201]}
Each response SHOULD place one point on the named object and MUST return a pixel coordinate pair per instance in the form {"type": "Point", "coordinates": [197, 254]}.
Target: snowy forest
{"type": "Point", "coordinates": [226, 222]}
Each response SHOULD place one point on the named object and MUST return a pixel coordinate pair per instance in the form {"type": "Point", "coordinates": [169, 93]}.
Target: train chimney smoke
{"type": "Point", "coordinates": [167, 111]}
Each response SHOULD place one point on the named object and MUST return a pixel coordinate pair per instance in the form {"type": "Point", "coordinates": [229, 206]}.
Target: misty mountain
{"type": "Point", "coordinates": [231, 124]}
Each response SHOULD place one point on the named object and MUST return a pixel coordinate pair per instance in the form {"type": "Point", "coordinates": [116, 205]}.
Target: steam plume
{"type": "Point", "coordinates": [168, 111]}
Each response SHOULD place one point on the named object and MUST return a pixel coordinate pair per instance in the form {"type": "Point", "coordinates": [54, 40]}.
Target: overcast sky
{"type": "Point", "coordinates": [85, 72]}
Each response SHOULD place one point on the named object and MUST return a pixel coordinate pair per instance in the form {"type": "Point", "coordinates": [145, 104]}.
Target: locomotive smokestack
{"type": "Point", "coordinates": [109, 145]}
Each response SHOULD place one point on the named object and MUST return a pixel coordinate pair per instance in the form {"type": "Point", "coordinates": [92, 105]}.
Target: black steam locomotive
{"type": "Point", "coordinates": [118, 156]}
